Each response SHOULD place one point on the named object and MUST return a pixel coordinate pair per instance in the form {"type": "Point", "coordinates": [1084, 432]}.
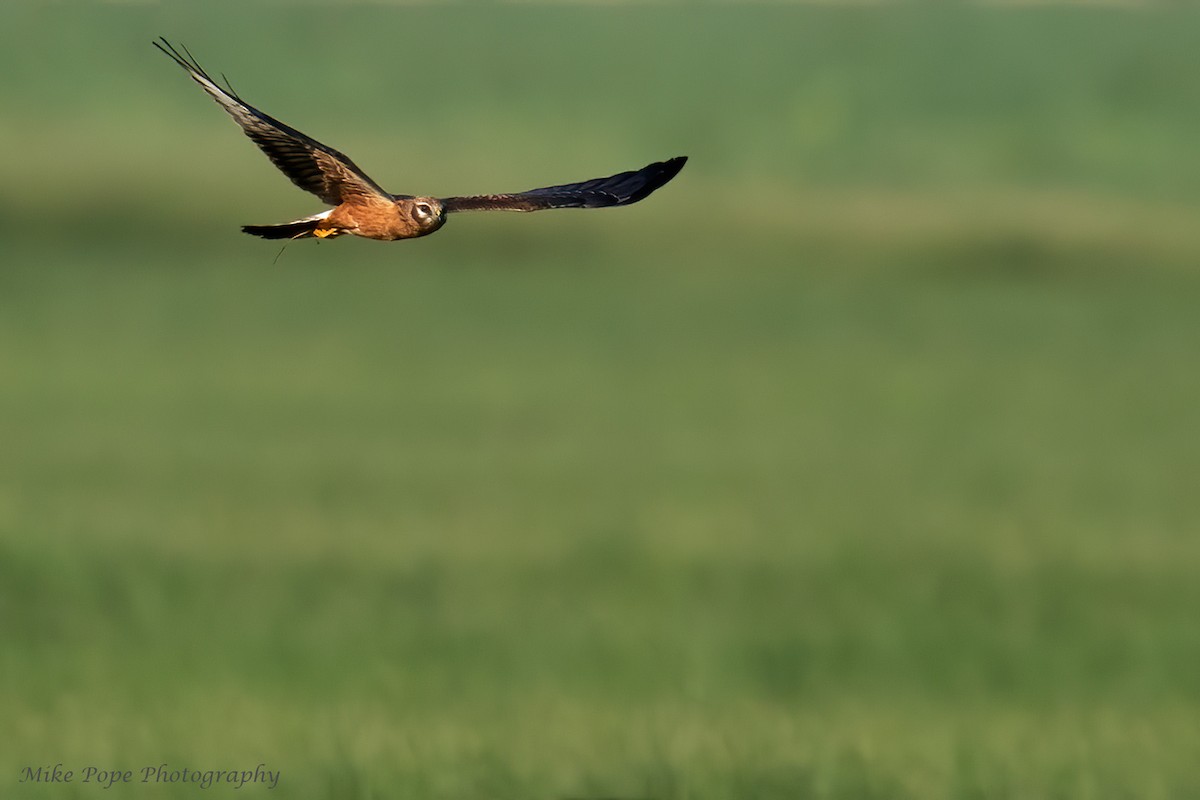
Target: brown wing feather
{"type": "Point", "coordinates": [616, 190]}
{"type": "Point", "coordinates": [312, 166]}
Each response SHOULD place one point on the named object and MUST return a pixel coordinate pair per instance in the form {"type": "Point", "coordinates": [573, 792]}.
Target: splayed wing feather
{"type": "Point", "coordinates": [616, 190]}
{"type": "Point", "coordinates": [312, 166]}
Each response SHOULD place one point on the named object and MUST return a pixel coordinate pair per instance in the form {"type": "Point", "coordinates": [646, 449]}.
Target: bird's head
{"type": "Point", "coordinates": [426, 213]}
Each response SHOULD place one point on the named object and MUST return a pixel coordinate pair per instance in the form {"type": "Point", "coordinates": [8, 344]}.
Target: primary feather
{"type": "Point", "coordinates": [312, 166]}
{"type": "Point", "coordinates": [616, 190]}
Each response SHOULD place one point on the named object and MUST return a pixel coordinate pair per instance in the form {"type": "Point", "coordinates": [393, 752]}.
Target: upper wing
{"type": "Point", "coordinates": [311, 165]}
{"type": "Point", "coordinates": [616, 190]}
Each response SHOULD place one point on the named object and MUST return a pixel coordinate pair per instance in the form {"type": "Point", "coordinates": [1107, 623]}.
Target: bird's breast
{"type": "Point", "coordinates": [384, 221]}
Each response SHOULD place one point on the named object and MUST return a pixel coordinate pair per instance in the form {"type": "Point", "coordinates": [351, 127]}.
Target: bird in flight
{"type": "Point", "coordinates": [362, 208]}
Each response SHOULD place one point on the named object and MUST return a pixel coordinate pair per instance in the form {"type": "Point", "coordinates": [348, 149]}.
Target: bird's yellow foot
{"type": "Point", "coordinates": [322, 233]}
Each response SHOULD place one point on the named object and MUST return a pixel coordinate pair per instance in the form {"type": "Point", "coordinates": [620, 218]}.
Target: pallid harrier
{"type": "Point", "coordinates": [362, 208]}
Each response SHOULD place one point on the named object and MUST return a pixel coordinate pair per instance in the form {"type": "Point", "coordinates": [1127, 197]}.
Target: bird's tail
{"type": "Point", "coordinates": [299, 229]}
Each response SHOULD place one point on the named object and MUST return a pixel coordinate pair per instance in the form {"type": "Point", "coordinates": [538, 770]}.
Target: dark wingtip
{"type": "Point", "coordinates": [672, 166]}
{"type": "Point", "coordinates": [162, 44]}
{"type": "Point", "coordinates": [171, 52]}
{"type": "Point", "coordinates": [188, 61]}
{"type": "Point", "coordinates": [656, 176]}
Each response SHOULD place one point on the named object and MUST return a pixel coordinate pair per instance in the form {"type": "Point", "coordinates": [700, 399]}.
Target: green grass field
{"type": "Point", "coordinates": [859, 462]}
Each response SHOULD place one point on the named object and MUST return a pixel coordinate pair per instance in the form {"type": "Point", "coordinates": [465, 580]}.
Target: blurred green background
{"type": "Point", "coordinates": [860, 461]}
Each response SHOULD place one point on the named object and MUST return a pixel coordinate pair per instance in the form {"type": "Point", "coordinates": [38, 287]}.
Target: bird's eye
{"type": "Point", "coordinates": [424, 210]}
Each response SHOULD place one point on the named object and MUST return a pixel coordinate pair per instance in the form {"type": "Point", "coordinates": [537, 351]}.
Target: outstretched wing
{"type": "Point", "coordinates": [615, 190]}
{"type": "Point", "coordinates": [312, 166]}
